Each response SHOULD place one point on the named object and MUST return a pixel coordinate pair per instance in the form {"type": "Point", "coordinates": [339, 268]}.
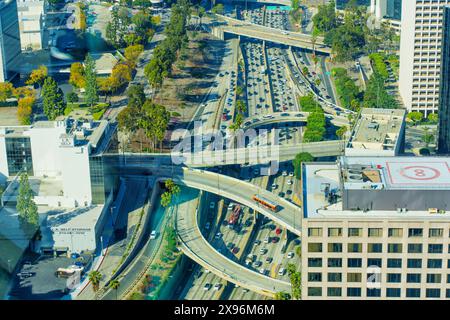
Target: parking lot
{"type": "Point", "coordinates": [38, 280]}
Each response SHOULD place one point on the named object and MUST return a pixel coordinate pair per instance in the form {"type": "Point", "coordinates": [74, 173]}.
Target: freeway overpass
{"type": "Point", "coordinates": [243, 28]}
{"type": "Point", "coordinates": [196, 247]}
{"type": "Point", "coordinates": [287, 117]}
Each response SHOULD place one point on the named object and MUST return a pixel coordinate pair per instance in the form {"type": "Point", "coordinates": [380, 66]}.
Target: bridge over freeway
{"type": "Point", "coordinates": [287, 117]}
{"type": "Point", "coordinates": [251, 30]}
{"type": "Point", "coordinates": [196, 247]}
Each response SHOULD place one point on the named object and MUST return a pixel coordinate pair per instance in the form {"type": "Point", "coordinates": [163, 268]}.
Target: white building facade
{"type": "Point", "coordinates": [420, 54]}
{"type": "Point", "coordinates": [31, 23]}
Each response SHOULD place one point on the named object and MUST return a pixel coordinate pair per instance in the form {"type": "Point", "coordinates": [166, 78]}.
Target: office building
{"type": "Point", "coordinates": [388, 12]}
{"type": "Point", "coordinates": [376, 228]}
{"type": "Point", "coordinates": [420, 54]}
{"type": "Point", "coordinates": [377, 132]}
{"type": "Point", "coordinates": [31, 23]}
{"type": "Point", "coordinates": [9, 40]}
{"type": "Point", "coordinates": [444, 88]}
{"type": "Point", "coordinates": [64, 160]}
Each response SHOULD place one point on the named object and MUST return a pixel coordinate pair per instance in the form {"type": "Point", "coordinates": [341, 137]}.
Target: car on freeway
{"type": "Point", "coordinates": [257, 264]}
{"type": "Point", "coordinates": [281, 194]}
{"type": "Point", "coordinates": [290, 255]}
{"type": "Point", "coordinates": [230, 245]}
{"type": "Point", "coordinates": [269, 259]}
{"type": "Point", "coordinates": [289, 182]}
{"type": "Point", "coordinates": [235, 250]}
{"type": "Point", "coordinates": [207, 286]}
{"type": "Point", "coordinates": [281, 272]}
{"type": "Point", "coordinates": [153, 235]}
{"type": "Point", "coordinates": [266, 239]}
{"type": "Point", "coordinates": [284, 173]}
{"type": "Point", "coordinates": [263, 251]}
{"type": "Point", "coordinates": [291, 174]}
{"type": "Point", "coordinates": [218, 235]}
{"type": "Point", "coordinates": [257, 242]}
{"type": "Point", "coordinates": [217, 286]}
{"type": "Point", "coordinates": [262, 271]}
{"type": "Point", "coordinates": [275, 239]}
{"type": "Point", "coordinates": [274, 186]}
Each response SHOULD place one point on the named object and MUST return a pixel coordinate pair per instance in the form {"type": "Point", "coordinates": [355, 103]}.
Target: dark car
{"type": "Point", "coordinates": [275, 239]}
{"type": "Point", "coordinates": [235, 250]}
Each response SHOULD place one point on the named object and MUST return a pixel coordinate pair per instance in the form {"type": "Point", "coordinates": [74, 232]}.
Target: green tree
{"type": "Point", "coordinates": [433, 118]}
{"type": "Point", "coordinates": [72, 97]}
{"type": "Point", "coordinates": [341, 132]}
{"type": "Point", "coordinates": [52, 99]}
{"type": "Point", "coordinates": [241, 106]}
{"type": "Point", "coordinates": [114, 284]}
{"type": "Point", "coordinates": [428, 138]}
{"type": "Point", "coordinates": [297, 163]}
{"type": "Point", "coordinates": [376, 95]}
{"type": "Point", "coordinates": [282, 295]}
{"type": "Point", "coordinates": [166, 199]}
{"type": "Point", "coordinates": [296, 281]}
{"type": "Point", "coordinates": [37, 76]}
{"type": "Point", "coordinates": [26, 207]}
{"type": "Point", "coordinates": [95, 277]}
{"type": "Point", "coordinates": [91, 94]}
{"type": "Point", "coordinates": [325, 19]}
{"type": "Point", "coordinates": [415, 116]}
{"type": "Point", "coordinates": [218, 9]}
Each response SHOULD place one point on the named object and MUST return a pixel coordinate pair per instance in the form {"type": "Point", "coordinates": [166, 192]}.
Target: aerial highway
{"type": "Point", "coordinates": [196, 247]}
{"type": "Point", "coordinates": [289, 38]}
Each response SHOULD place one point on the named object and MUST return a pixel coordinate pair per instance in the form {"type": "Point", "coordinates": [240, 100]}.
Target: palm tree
{"type": "Point", "coordinates": [94, 278]}
{"type": "Point", "coordinates": [114, 284]}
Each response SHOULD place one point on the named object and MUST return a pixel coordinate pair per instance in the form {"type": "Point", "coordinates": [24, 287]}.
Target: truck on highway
{"type": "Point", "coordinates": [234, 218]}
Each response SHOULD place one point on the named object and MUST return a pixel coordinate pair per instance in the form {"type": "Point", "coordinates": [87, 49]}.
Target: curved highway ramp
{"type": "Point", "coordinates": [196, 247]}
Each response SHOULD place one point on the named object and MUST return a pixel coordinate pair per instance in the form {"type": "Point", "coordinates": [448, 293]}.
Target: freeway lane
{"type": "Point", "coordinates": [288, 215]}
{"type": "Point", "coordinates": [195, 246]}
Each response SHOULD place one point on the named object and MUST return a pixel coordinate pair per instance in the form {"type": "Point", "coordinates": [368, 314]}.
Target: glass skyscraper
{"type": "Point", "coordinates": [444, 87]}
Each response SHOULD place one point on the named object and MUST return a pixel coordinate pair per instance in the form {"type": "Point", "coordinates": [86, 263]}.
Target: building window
{"type": "Point", "coordinates": [413, 293]}
{"type": "Point", "coordinates": [414, 248]}
{"type": "Point", "coordinates": [354, 232]}
{"type": "Point", "coordinates": [314, 262]}
{"type": "Point", "coordinates": [314, 247]}
{"type": "Point", "coordinates": [433, 293]}
{"type": "Point", "coordinates": [354, 247]}
{"type": "Point", "coordinates": [334, 292]}
{"type": "Point", "coordinates": [435, 248]}
{"type": "Point", "coordinates": [434, 263]}
{"type": "Point", "coordinates": [393, 292]}
{"type": "Point", "coordinates": [394, 263]}
{"type": "Point", "coordinates": [374, 262]}
{"type": "Point", "coordinates": [353, 277]}
{"type": "Point", "coordinates": [434, 278]}
{"type": "Point", "coordinates": [415, 232]}
{"type": "Point", "coordinates": [413, 277]}
{"type": "Point", "coordinates": [375, 232]}
{"type": "Point", "coordinates": [314, 232]}
{"type": "Point", "coordinates": [334, 277]}
{"type": "Point", "coordinates": [314, 291]}
{"type": "Point", "coordinates": [354, 262]}
{"type": "Point", "coordinates": [393, 277]}
{"type": "Point", "coordinates": [334, 262]}
{"type": "Point", "coordinates": [373, 292]}
{"type": "Point", "coordinates": [18, 155]}
{"type": "Point", "coordinates": [335, 232]}
{"type": "Point", "coordinates": [435, 233]}
{"type": "Point", "coordinates": [335, 247]}
{"type": "Point", "coordinates": [395, 232]}
{"type": "Point", "coordinates": [375, 247]}
{"type": "Point", "coordinates": [447, 293]}
{"type": "Point", "coordinates": [395, 247]}
{"type": "Point", "coordinates": [353, 292]}
{"type": "Point", "coordinates": [314, 277]}
{"type": "Point", "coordinates": [448, 278]}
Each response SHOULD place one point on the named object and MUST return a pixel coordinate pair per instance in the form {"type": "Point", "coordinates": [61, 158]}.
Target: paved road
{"type": "Point", "coordinates": [195, 246]}
{"type": "Point", "coordinates": [290, 38]}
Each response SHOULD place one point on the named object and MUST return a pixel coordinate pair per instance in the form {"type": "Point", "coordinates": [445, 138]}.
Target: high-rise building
{"type": "Point", "coordinates": [342, 4]}
{"type": "Point", "coordinates": [31, 21]}
{"type": "Point", "coordinates": [420, 54]}
{"type": "Point", "coordinates": [386, 9]}
{"type": "Point", "coordinates": [376, 228]}
{"type": "Point", "coordinates": [444, 88]}
{"type": "Point", "coordinates": [9, 39]}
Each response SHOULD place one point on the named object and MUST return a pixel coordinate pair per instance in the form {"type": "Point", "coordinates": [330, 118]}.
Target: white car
{"type": "Point", "coordinates": [290, 255]}
{"type": "Point", "coordinates": [207, 226]}
{"type": "Point", "coordinates": [262, 271]}
{"type": "Point", "coordinates": [281, 272]}
{"type": "Point", "coordinates": [230, 206]}
{"type": "Point", "coordinates": [284, 173]}
{"type": "Point", "coordinates": [217, 286]}
{"type": "Point", "coordinates": [289, 182]}
{"type": "Point", "coordinates": [274, 186]}
{"type": "Point", "coordinates": [207, 286]}
{"type": "Point", "coordinates": [266, 240]}
{"type": "Point", "coordinates": [153, 235]}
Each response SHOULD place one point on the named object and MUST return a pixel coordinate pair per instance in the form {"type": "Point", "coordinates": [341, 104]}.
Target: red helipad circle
{"type": "Point", "coordinates": [420, 173]}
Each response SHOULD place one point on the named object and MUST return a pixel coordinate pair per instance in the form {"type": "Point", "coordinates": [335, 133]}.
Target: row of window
{"type": "Point", "coordinates": [390, 277]}
{"type": "Point", "coordinates": [376, 262]}
{"type": "Point", "coordinates": [375, 292]}
{"type": "Point", "coordinates": [376, 232]}
{"type": "Point", "coordinates": [432, 248]}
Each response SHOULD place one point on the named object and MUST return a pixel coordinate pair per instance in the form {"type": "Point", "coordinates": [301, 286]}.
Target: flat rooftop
{"type": "Point", "coordinates": [377, 129]}
{"type": "Point", "coordinates": [320, 180]}
{"type": "Point", "coordinates": [396, 173]}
